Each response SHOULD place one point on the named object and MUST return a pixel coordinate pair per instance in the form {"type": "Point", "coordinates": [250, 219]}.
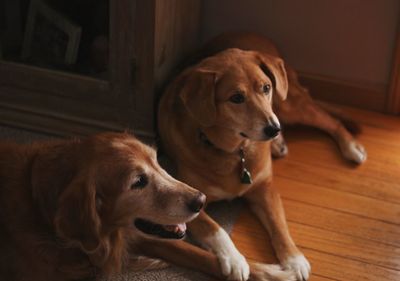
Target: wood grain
{"type": "Point", "coordinates": [147, 40]}
{"type": "Point", "coordinates": [346, 219]}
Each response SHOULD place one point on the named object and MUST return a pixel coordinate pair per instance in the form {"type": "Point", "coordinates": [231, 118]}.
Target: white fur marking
{"type": "Point", "coordinates": [279, 147]}
{"type": "Point", "coordinates": [299, 264]}
{"type": "Point", "coordinates": [355, 152]}
{"type": "Point", "coordinates": [234, 266]}
{"type": "Point", "coordinates": [271, 272]}
{"type": "Point", "coordinates": [276, 120]}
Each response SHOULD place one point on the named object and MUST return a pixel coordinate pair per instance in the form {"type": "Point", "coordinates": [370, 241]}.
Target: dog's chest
{"type": "Point", "coordinates": [216, 193]}
{"type": "Point", "coordinates": [230, 186]}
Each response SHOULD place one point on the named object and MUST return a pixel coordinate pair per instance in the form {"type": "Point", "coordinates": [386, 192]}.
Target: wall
{"type": "Point", "coordinates": [347, 40]}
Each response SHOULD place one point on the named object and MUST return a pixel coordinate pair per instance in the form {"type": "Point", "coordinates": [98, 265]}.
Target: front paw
{"type": "Point", "coordinates": [279, 148]}
{"type": "Point", "coordinates": [354, 152]}
{"type": "Point", "coordinates": [270, 272]}
{"type": "Point", "coordinates": [234, 266]}
{"type": "Point", "coordinates": [299, 265]}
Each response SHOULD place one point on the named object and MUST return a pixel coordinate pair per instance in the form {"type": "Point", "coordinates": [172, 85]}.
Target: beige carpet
{"type": "Point", "coordinates": [224, 213]}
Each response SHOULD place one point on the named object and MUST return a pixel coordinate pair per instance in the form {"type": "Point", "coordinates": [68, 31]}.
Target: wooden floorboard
{"type": "Point", "coordinates": [345, 218]}
{"type": "Point", "coordinates": [347, 182]}
{"type": "Point", "coordinates": [339, 201]}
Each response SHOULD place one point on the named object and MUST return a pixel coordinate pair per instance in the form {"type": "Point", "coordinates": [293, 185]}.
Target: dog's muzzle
{"type": "Point", "coordinates": [197, 203]}
{"type": "Point", "coordinates": [272, 129]}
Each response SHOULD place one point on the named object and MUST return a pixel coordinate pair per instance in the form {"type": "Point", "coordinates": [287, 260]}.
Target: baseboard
{"type": "Point", "coordinates": [365, 96]}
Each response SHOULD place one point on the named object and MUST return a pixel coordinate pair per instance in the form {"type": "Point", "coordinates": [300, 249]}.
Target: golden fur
{"type": "Point", "coordinates": [67, 207]}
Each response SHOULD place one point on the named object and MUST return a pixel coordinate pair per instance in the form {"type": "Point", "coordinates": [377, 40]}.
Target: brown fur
{"type": "Point", "coordinates": [67, 209]}
{"type": "Point", "coordinates": [202, 130]}
{"type": "Point", "coordinates": [298, 108]}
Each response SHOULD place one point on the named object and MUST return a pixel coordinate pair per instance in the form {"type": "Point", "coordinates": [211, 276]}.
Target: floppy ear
{"type": "Point", "coordinates": [52, 170]}
{"type": "Point", "coordinates": [76, 220]}
{"type": "Point", "coordinates": [198, 95]}
{"type": "Point", "coordinates": [65, 199]}
{"type": "Point", "coordinates": [274, 68]}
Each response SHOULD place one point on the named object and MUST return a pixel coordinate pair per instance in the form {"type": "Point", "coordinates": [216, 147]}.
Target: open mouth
{"type": "Point", "coordinates": [244, 135]}
{"type": "Point", "coordinates": [176, 231]}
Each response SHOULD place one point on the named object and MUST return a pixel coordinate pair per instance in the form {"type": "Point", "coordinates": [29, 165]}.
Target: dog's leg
{"type": "Point", "coordinates": [213, 237]}
{"type": "Point", "coordinates": [184, 254]}
{"type": "Point", "coordinates": [181, 253]}
{"type": "Point", "coordinates": [266, 203]}
{"type": "Point", "coordinates": [279, 148]}
{"type": "Point", "coordinates": [313, 115]}
{"type": "Point", "coordinates": [299, 108]}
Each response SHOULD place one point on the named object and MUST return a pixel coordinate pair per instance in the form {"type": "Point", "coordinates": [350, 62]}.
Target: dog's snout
{"type": "Point", "coordinates": [272, 129]}
{"type": "Point", "coordinates": [196, 204]}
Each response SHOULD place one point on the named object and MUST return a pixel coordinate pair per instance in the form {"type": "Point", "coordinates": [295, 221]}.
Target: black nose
{"type": "Point", "coordinates": [272, 131]}
{"type": "Point", "coordinates": [197, 203]}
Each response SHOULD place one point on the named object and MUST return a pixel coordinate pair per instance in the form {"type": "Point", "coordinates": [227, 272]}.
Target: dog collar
{"type": "Point", "coordinates": [245, 175]}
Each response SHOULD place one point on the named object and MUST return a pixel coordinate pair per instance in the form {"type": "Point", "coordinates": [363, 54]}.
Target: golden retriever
{"type": "Point", "coordinates": [217, 121]}
{"type": "Point", "coordinates": [84, 208]}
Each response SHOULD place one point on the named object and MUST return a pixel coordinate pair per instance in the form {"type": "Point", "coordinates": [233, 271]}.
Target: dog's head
{"type": "Point", "coordinates": [234, 90]}
{"type": "Point", "coordinates": [91, 189]}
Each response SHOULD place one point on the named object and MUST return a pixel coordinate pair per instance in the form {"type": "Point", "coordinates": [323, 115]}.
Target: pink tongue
{"type": "Point", "coordinates": [182, 227]}
{"type": "Point", "coordinates": [176, 227]}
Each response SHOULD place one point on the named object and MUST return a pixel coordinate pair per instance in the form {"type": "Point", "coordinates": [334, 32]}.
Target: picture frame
{"type": "Point", "coordinates": [50, 36]}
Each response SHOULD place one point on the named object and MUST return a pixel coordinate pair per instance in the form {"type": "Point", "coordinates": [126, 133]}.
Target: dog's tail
{"type": "Point", "coordinates": [352, 126]}
{"type": "Point", "coordinates": [269, 272]}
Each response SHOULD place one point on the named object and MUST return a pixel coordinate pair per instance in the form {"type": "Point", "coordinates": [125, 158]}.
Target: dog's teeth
{"type": "Point", "coordinates": [177, 228]}
{"type": "Point", "coordinates": [181, 227]}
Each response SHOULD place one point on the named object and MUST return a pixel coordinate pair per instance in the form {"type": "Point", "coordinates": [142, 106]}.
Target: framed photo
{"type": "Point", "coordinates": [50, 37]}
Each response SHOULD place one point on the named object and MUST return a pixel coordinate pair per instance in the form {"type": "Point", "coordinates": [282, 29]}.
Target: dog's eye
{"type": "Point", "coordinates": [140, 182]}
{"type": "Point", "coordinates": [237, 98]}
{"type": "Point", "coordinates": [266, 88]}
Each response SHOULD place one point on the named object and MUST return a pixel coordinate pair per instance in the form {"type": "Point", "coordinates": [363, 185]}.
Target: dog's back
{"type": "Point", "coordinates": [14, 182]}
{"type": "Point", "coordinates": [19, 218]}
{"type": "Point", "coordinates": [12, 202]}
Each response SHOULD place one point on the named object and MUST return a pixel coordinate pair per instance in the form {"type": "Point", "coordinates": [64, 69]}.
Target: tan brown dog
{"type": "Point", "coordinates": [216, 121]}
{"type": "Point", "coordinates": [298, 108]}
{"type": "Point", "coordinates": [76, 209]}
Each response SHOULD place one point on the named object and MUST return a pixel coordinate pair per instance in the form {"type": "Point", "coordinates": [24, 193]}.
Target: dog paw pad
{"type": "Point", "coordinates": [299, 265]}
{"type": "Point", "coordinates": [355, 152]}
{"type": "Point", "coordinates": [279, 148]}
{"type": "Point", "coordinates": [234, 266]}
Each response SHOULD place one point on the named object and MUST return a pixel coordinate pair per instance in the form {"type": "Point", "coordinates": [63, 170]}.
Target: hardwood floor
{"type": "Point", "coordinates": [345, 218]}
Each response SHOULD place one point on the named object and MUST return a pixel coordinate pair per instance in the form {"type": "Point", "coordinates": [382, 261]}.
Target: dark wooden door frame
{"type": "Point", "coordinates": [393, 95]}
